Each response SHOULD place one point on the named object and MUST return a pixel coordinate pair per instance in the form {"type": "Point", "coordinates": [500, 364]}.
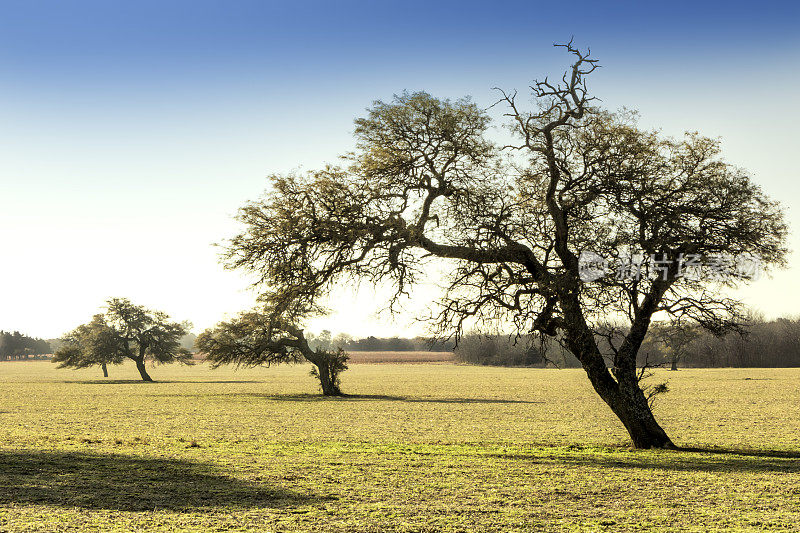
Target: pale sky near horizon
{"type": "Point", "coordinates": [131, 133]}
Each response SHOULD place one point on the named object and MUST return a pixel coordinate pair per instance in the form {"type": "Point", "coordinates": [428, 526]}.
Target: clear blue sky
{"type": "Point", "coordinates": [130, 132]}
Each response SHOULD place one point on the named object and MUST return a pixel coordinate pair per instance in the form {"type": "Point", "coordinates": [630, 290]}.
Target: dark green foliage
{"type": "Point", "coordinates": [394, 344]}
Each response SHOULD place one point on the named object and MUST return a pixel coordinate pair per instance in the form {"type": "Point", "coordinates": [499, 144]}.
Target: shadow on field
{"type": "Point", "coordinates": [377, 397]}
{"type": "Point", "coordinates": [154, 382]}
{"type": "Point", "coordinates": [769, 454]}
{"type": "Point", "coordinates": [126, 483]}
{"type": "Point", "coordinates": [685, 459]}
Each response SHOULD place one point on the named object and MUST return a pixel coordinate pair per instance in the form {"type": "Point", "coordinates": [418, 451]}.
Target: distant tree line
{"type": "Point", "coordinates": [767, 344]}
{"type": "Point", "coordinates": [762, 343]}
{"type": "Point", "coordinates": [18, 346]}
{"type": "Point", "coordinates": [498, 350]}
{"type": "Point", "coordinates": [346, 342]}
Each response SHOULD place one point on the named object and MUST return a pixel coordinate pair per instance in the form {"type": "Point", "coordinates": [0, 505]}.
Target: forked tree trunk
{"type": "Point", "coordinates": [105, 370]}
{"type": "Point", "coordinates": [623, 394]}
{"type": "Point", "coordinates": [628, 402]}
{"type": "Point", "coordinates": [635, 413]}
{"type": "Point", "coordinates": [142, 370]}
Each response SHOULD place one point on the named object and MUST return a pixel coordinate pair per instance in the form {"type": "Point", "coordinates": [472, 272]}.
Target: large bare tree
{"type": "Point", "coordinates": [425, 184]}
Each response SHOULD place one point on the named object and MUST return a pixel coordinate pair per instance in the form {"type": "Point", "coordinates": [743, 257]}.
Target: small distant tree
{"type": "Point", "coordinates": [323, 340]}
{"type": "Point", "coordinates": [188, 340]}
{"type": "Point", "coordinates": [341, 340]}
{"type": "Point", "coordinates": [675, 340]}
{"type": "Point", "coordinates": [266, 338]}
{"type": "Point", "coordinates": [92, 344]}
{"type": "Point", "coordinates": [126, 331]}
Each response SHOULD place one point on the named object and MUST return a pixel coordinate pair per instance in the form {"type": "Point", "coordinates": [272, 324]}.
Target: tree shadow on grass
{"type": "Point", "coordinates": [154, 382]}
{"type": "Point", "coordinates": [770, 454]}
{"type": "Point", "coordinates": [684, 459]}
{"type": "Point", "coordinates": [128, 483]}
{"type": "Point", "coordinates": [377, 397]}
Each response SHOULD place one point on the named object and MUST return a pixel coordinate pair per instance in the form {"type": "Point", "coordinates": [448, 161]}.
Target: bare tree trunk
{"type": "Point", "coordinates": [674, 365]}
{"type": "Point", "coordinates": [634, 411]}
{"type": "Point", "coordinates": [105, 370]}
{"type": "Point", "coordinates": [325, 373]}
{"type": "Point", "coordinates": [327, 369]}
{"type": "Point", "coordinates": [628, 402]}
{"type": "Point", "coordinates": [142, 370]}
{"type": "Point", "coordinates": [329, 386]}
{"type": "Point", "coordinates": [623, 394]}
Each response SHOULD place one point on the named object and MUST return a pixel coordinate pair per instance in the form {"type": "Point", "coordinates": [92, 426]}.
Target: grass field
{"type": "Point", "coordinates": [424, 447]}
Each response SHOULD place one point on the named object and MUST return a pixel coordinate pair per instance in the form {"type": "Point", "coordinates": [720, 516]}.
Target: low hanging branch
{"type": "Point", "coordinates": [257, 338]}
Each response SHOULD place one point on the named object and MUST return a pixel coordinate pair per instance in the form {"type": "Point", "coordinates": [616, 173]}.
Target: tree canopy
{"type": "Point", "coordinates": [125, 331]}
{"type": "Point", "coordinates": [656, 217]}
